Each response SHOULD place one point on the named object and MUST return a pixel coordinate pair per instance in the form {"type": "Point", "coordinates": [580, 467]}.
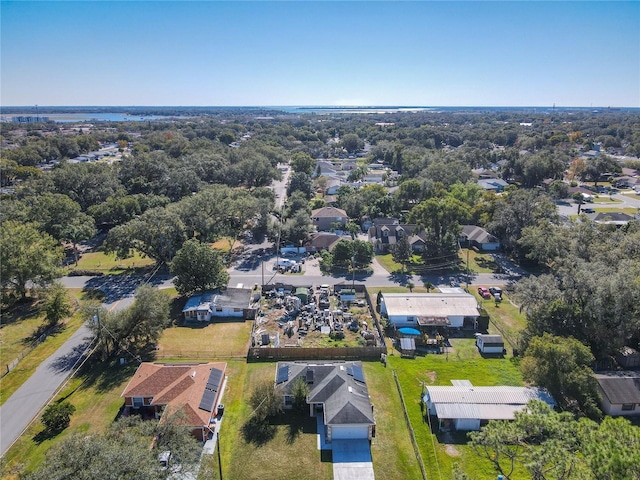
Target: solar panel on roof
{"type": "Point", "coordinates": [214, 379]}
{"type": "Point", "coordinates": [358, 374]}
{"type": "Point", "coordinates": [283, 374]}
{"type": "Point", "coordinates": [349, 371]}
{"type": "Point", "coordinates": [207, 401]}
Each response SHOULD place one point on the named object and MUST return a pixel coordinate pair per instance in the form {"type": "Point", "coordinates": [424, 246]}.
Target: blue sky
{"type": "Point", "coordinates": [320, 53]}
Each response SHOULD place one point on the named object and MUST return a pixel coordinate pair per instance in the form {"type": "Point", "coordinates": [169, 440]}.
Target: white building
{"type": "Point", "coordinates": [620, 392]}
{"type": "Point", "coordinates": [232, 302]}
{"type": "Point", "coordinates": [416, 310]}
{"type": "Point", "coordinates": [463, 406]}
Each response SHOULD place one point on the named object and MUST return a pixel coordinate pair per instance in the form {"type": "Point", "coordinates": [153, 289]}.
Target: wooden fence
{"type": "Point", "coordinates": [267, 354]}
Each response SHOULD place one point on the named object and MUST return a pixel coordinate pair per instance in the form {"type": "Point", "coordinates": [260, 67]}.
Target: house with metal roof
{"type": "Point", "coordinates": [337, 392]}
{"type": "Point", "coordinates": [231, 302]}
{"type": "Point", "coordinates": [326, 218]}
{"type": "Point", "coordinates": [620, 392]}
{"type": "Point", "coordinates": [189, 393]}
{"type": "Point", "coordinates": [462, 406]}
{"type": "Point", "coordinates": [453, 310]}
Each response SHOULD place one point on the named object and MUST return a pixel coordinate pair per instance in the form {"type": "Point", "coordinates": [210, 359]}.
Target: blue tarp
{"type": "Point", "coordinates": [409, 331]}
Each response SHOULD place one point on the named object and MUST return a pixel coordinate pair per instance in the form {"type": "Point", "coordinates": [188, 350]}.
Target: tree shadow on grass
{"type": "Point", "coordinates": [44, 435]}
{"type": "Point", "coordinates": [258, 432]}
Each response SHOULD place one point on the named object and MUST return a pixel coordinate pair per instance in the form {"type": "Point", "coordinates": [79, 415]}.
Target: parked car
{"type": "Point", "coordinates": [495, 290]}
{"type": "Point", "coordinates": [588, 210]}
{"type": "Point", "coordinates": [484, 292]}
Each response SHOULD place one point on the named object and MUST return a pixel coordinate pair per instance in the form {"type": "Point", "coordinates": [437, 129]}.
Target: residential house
{"type": "Point", "coordinates": [232, 302]}
{"type": "Point", "coordinates": [494, 184]}
{"type": "Point", "coordinates": [612, 218]}
{"type": "Point", "coordinates": [337, 392]}
{"type": "Point", "coordinates": [333, 185]}
{"type": "Point", "coordinates": [627, 182]}
{"type": "Point", "coordinates": [466, 407]}
{"type": "Point", "coordinates": [428, 310]}
{"type": "Point", "coordinates": [620, 392]}
{"type": "Point", "coordinates": [478, 237]}
{"type": "Point", "coordinates": [386, 232]}
{"type": "Point", "coordinates": [189, 393]}
{"type": "Point", "coordinates": [326, 218]}
{"type": "Point", "coordinates": [322, 241]}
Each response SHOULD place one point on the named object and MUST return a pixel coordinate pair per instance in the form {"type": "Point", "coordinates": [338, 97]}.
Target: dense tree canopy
{"type": "Point", "coordinates": [197, 266]}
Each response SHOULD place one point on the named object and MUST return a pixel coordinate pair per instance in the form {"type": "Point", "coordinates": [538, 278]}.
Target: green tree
{"type": "Point", "coordinates": [56, 417]}
{"type": "Point", "coordinates": [410, 286]}
{"type": "Point", "coordinates": [81, 228]}
{"type": "Point", "coordinates": [27, 255]}
{"type": "Point", "coordinates": [198, 267]}
{"type": "Point", "coordinates": [302, 162]}
{"type": "Point", "coordinates": [56, 304]}
{"type": "Point", "coordinates": [351, 142]}
{"type": "Point", "coordinates": [266, 401]}
{"type": "Point", "coordinates": [558, 189]}
{"type": "Point", "coordinates": [562, 366]}
{"type": "Point", "coordinates": [300, 391]}
{"type": "Point", "coordinates": [401, 251]}
{"type": "Point", "coordinates": [300, 182]}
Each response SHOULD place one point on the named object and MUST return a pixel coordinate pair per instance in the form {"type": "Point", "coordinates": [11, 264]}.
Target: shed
{"type": "Point", "coordinates": [347, 295]}
{"type": "Point", "coordinates": [303, 294]}
{"type": "Point", "coordinates": [407, 347]}
{"type": "Point", "coordinates": [490, 343]}
{"type": "Point", "coordinates": [627, 357]}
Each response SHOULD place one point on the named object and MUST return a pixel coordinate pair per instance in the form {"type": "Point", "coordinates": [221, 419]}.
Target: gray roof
{"type": "Point", "coordinates": [478, 234]}
{"type": "Point", "coordinates": [491, 339]}
{"type": "Point", "coordinates": [620, 387]}
{"type": "Point", "coordinates": [229, 298]}
{"type": "Point", "coordinates": [346, 400]}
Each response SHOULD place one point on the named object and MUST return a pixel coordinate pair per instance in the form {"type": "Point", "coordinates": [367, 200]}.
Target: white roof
{"type": "Point", "coordinates": [486, 395]}
{"type": "Point", "coordinates": [407, 344]}
{"type": "Point", "coordinates": [482, 412]}
{"type": "Point", "coordinates": [431, 304]}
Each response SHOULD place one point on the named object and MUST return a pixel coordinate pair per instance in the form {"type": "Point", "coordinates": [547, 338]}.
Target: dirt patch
{"type": "Point", "coordinates": [431, 376]}
{"type": "Point", "coordinates": [452, 451]}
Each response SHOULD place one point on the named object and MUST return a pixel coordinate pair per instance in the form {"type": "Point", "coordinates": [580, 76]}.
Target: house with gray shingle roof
{"type": "Point", "coordinates": [337, 392]}
{"type": "Point", "coordinates": [474, 236]}
{"type": "Point", "coordinates": [620, 392]}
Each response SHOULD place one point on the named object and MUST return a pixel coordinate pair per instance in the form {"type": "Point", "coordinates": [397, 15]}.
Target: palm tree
{"type": "Point", "coordinates": [428, 286]}
{"type": "Point", "coordinates": [410, 286]}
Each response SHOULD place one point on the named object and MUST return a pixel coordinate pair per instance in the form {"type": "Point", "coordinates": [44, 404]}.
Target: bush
{"type": "Point", "coordinates": [57, 416]}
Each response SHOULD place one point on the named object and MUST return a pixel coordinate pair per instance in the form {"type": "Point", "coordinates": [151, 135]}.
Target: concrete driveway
{"type": "Point", "coordinates": [352, 460]}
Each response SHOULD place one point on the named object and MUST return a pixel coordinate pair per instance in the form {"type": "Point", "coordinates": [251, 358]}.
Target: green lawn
{"type": "Point", "coordinates": [17, 335]}
{"type": "Point", "coordinates": [440, 452]}
{"type": "Point", "coordinates": [478, 262]}
{"type": "Point", "coordinates": [95, 392]}
{"type": "Point", "coordinates": [110, 265]}
{"type": "Point", "coordinates": [292, 451]}
{"type": "Point", "coordinates": [505, 314]}
{"type": "Point", "coordinates": [205, 341]}
{"type": "Point", "coordinates": [605, 199]}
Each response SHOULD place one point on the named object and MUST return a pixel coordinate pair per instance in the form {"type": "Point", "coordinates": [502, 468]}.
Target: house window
{"type": "Point", "coordinates": [411, 319]}
{"type": "Point", "coordinates": [137, 402]}
{"type": "Point", "coordinates": [338, 219]}
{"type": "Point", "coordinates": [218, 309]}
{"type": "Point", "coordinates": [288, 400]}
{"type": "Point", "coordinates": [628, 406]}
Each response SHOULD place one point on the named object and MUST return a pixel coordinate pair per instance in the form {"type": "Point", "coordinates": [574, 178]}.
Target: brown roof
{"type": "Point", "coordinates": [329, 212]}
{"type": "Point", "coordinates": [179, 387]}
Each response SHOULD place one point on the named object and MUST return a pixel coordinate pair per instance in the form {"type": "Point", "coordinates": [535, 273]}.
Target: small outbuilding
{"type": "Point", "coordinates": [490, 343]}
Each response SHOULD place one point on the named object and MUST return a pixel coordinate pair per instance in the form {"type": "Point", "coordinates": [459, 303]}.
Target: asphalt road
{"type": "Point", "coordinates": [569, 207]}
{"type": "Point", "coordinates": [19, 410]}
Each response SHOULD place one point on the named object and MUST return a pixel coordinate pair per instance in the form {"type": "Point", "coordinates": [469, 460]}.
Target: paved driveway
{"type": "Point", "coordinates": [352, 460]}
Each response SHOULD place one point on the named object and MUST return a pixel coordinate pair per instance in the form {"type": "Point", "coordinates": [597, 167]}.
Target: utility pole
{"type": "Point", "coordinates": [353, 273]}
{"type": "Point", "coordinates": [468, 271]}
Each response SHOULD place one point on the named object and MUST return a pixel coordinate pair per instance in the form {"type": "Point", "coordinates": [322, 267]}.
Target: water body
{"type": "Point", "coordinates": [100, 117]}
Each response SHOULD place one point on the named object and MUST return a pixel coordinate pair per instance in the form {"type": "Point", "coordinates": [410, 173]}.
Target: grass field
{"type": "Point", "coordinates": [110, 265]}
{"type": "Point", "coordinates": [292, 451]}
{"type": "Point", "coordinates": [205, 341]}
{"type": "Point", "coordinates": [95, 392]}
{"type": "Point", "coordinates": [505, 314]}
{"type": "Point", "coordinates": [440, 452]}
{"type": "Point", "coordinates": [478, 262]}
{"type": "Point", "coordinates": [17, 334]}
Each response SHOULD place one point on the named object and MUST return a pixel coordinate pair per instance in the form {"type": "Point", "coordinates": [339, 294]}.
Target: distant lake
{"type": "Point", "coordinates": [101, 117]}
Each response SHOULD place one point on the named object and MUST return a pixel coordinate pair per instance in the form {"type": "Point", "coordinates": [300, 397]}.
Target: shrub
{"type": "Point", "coordinates": [57, 416]}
